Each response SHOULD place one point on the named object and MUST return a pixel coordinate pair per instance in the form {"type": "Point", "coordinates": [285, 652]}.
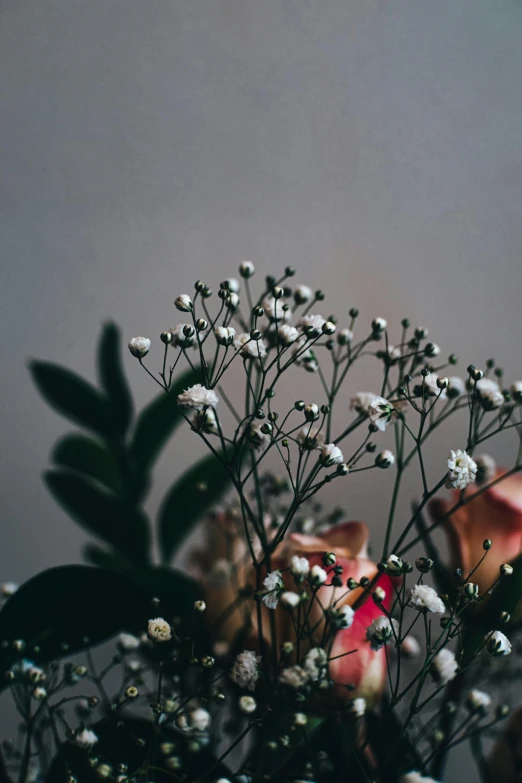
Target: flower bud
{"type": "Point", "coordinates": [166, 337]}
{"type": "Point", "coordinates": [442, 382]}
{"type": "Point", "coordinates": [201, 324]}
{"type": "Point", "coordinates": [184, 303]}
{"type": "Point", "coordinates": [379, 595]}
{"type": "Point", "coordinates": [394, 565]}
{"type": "Point", "coordinates": [131, 692]}
{"type": "Point", "coordinates": [506, 569]}
{"type": "Point", "coordinates": [199, 606]}
{"type": "Point", "coordinates": [424, 564]}
{"type": "Point", "coordinates": [328, 327]}
{"type": "Point", "coordinates": [246, 269]}
{"type": "Point", "coordinates": [329, 559]}
{"type": "Point", "coordinates": [200, 286]}
{"type": "Point", "coordinates": [139, 346]}
{"type": "Point", "coordinates": [431, 350]}
{"type": "Point", "coordinates": [476, 374]}
{"type": "Point", "coordinates": [471, 591]}
{"type": "Point", "coordinates": [311, 412]}
{"type": "Point", "coordinates": [379, 325]}
{"type": "Point", "coordinates": [487, 544]}
{"type": "Point", "coordinates": [420, 333]}
{"type": "Point", "coordinates": [384, 459]}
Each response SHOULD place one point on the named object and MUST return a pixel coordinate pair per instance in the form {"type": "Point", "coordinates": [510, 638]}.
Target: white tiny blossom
{"type": "Point", "coordinates": [331, 455]}
{"type": "Point", "coordinates": [7, 589]}
{"type": "Point", "coordinates": [86, 739]}
{"type": "Point", "coordinates": [381, 412]}
{"type": "Point", "coordinates": [462, 470]}
{"type": "Point", "coordinates": [300, 719]}
{"type": "Point", "coordinates": [233, 285]}
{"type": "Point", "coordinates": [303, 294]}
{"type": "Point", "coordinates": [128, 642]}
{"type": "Point", "coordinates": [344, 336]}
{"type": "Point", "coordinates": [362, 401]}
{"type": "Point", "coordinates": [316, 663]}
{"type": "Point", "coordinates": [39, 693]}
{"type": "Point", "coordinates": [318, 575]}
{"type": "Point", "coordinates": [300, 566]}
{"type": "Point", "coordinates": [294, 677]}
{"type": "Point", "coordinates": [394, 565]}
{"type": "Point", "coordinates": [497, 643]}
{"type": "Point", "coordinates": [290, 599]}
{"type": "Point", "coordinates": [478, 701]}
{"type": "Point", "coordinates": [315, 321]}
{"type": "Point", "coordinates": [287, 334]}
{"type": "Point", "coordinates": [225, 334]}
{"type": "Point", "coordinates": [516, 391]}
{"type": "Point", "coordinates": [456, 387]}
{"type": "Point", "coordinates": [232, 301]}
{"type": "Point", "coordinates": [425, 597]}
{"type": "Point", "coordinates": [247, 704]}
{"type": "Point", "coordinates": [343, 617]}
{"type": "Point", "coordinates": [139, 346]}
{"type": "Point", "coordinates": [273, 584]}
{"type": "Point", "coordinates": [256, 437]}
{"type": "Point", "coordinates": [410, 647]}
{"type": "Point", "coordinates": [200, 719]}
{"type": "Point", "coordinates": [310, 437]}
{"type": "Point", "coordinates": [490, 395]}
{"type": "Point", "coordinates": [381, 631]}
{"type": "Point", "coordinates": [274, 309]}
{"type": "Point", "coordinates": [245, 671]}
{"type": "Point", "coordinates": [179, 338]}
{"type": "Point", "coordinates": [358, 707]}
{"type": "Point", "coordinates": [205, 421]}
{"type": "Point", "coordinates": [444, 666]}
{"type": "Point", "coordinates": [416, 777]}
{"type": "Point", "coordinates": [198, 397]}
{"type": "Point", "coordinates": [248, 347]}
{"type": "Point", "coordinates": [159, 630]}
{"type": "Point", "coordinates": [486, 468]}
{"type": "Point", "coordinates": [184, 303]}
{"type": "Point", "coordinates": [246, 269]}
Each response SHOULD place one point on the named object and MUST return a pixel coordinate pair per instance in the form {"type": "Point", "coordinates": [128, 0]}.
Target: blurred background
{"type": "Point", "coordinates": [374, 145]}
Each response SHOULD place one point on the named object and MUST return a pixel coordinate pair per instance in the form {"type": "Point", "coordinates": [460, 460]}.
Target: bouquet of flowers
{"type": "Point", "coordinates": [279, 649]}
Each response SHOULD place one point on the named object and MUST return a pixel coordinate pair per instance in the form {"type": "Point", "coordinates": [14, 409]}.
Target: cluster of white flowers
{"type": "Point", "coordinates": [381, 631]}
{"type": "Point", "coordinates": [310, 437]}
{"type": "Point", "coordinates": [425, 598]}
{"type": "Point", "coordinates": [245, 671]}
{"type": "Point", "coordinates": [85, 739]}
{"type": "Point", "coordinates": [198, 397]}
{"type": "Point", "coordinates": [248, 347]}
{"type": "Point", "coordinates": [462, 470]}
{"type": "Point", "coordinates": [274, 584]}
{"type": "Point", "coordinates": [294, 677]}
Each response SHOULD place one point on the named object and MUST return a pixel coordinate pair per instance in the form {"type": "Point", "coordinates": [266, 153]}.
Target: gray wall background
{"type": "Point", "coordinates": [374, 145]}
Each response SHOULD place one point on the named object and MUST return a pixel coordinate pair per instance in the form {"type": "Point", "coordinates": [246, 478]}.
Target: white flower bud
{"type": "Point", "coordinates": [246, 269]}
{"type": "Point", "coordinates": [497, 643]}
{"type": "Point", "coordinates": [247, 704]}
{"type": "Point", "coordinates": [199, 606]}
{"type": "Point", "coordinates": [318, 575]}
{"type": "Point", "coordinates": [506, 569]}
{"type": "Point", "coordinates": [139, 347]}
{"type": "Point", "coordinates": [385, 459]}
{"type": "Point", "coordinates": [358, 707]}
{"type": "Point", "coordinates": [287, 334]}
{"type": "Point", "coordinates": [394, 565]}
{"type": "Point", "coordinates": [345, 336]}
{"type": "Point", "coordinates": [442, 382]}
{"type": "Point", "coordinates": [225, 335]}
{"type": "Point", "coordinates": [290, 599]}
{"type": "Point", "coordinates": [303, 294]}
{"type": "Point", "coordinates": [184, 303]}
{"type": "Point", "coordinates": [300, 719]}
{"type": "Point", "coordinates": [299, 566]}
{"type": "Point", "coordinates": [199, 719]}
{"type": "Point", "coordinates": [379, 595]}
{"type": "Point", "coordinates": [159, 630]}
{"type": "Point", "coordinates": [331, 455]}
{"type": "Point", "coordinates": [311, 412]}
{"type": "Point", "coordinates": [379, 324]}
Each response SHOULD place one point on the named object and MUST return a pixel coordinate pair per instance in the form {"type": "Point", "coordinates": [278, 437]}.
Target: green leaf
{"type": "Point", "coordinates": [102, 513]}
{"type": "Point", "coordinates": [187, 500]}
{"type": "Point", "coordinates": [88, 456]}
{"type": "Point", "coordinates": [112, 378]}
{"type": "Point", "coordinates": [64, 606]}
{"type": "Point", "coordinates": [158, 421]}
{"type": "Point", "coordinates": [72, 396]}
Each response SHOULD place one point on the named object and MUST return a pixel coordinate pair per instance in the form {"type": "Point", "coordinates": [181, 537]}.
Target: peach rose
{"type": "Point", "coordinates": [495, 514]}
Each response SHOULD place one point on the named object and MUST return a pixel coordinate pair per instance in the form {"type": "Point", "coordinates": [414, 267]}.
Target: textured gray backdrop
{"type": "Point", "coordinates": [375, 145]}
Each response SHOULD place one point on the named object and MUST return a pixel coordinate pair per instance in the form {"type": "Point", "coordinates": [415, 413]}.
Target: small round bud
{"type": "Point", "coordinates": [166, 337]}
{"type": "Point", "coordinates": [505, 617]}
{"type": "Point", "coordinates": [200, 286]}
{"type": "Point", "coordinates": [319, 295]}
{"type": "Point", "coordinates": [337, 581]}
{"type": "Point", "coordinates": [311, 412]}
{"type": "Point", "coordinates": [471, 591]}
{"type": "Point", "coordinates": [325, 409]}
{"type": "Point", "coordinates": [477, 375]}
{"type": "Point", "coordinates": [452, 359]}
{"type": "Point", "coordinates": [299, 405]}
{"type": "Point", "coordinates": [328, 327]}
{"type": "Point", "coordinates": [201, 324]}
{"type": "Point", "coordinates": [199, 606]}
{"type": "Point", "coordinates": [351, 584]}
{"type": "Point", "coordinates": [506, 569]}
{"type": "Point", "coordinates": [184, 303]}
{"type": "Point", "coordinates": [289, 271]}
{"type": "Point", "coordinates": [424, 564]}
{"type": "Point", "coordinates": [442, 382]}
{"type": "Point", "coordinates": [425, 372]}
{"type": "Point", "coordinates": [379, 325]}
{"type": "Point", "coordinates": [487, 544]}
{"type": "Point", "coordinates": [379, 595]}
{"type": "Point", "coordinates": [255, 334]}
{"type": "Point", "coordinates": [246, 269]}
{"type": "Point", "coordinates": [207, 293]}
{"type": "Point", "coordinates": [188, 330]}
{"type": "Point", "coordinates": [270, 393]}
{"type": "Point", "coordinates": [364, 581]}
{"type": "Point", "coordinates": [384, 459]}
{"type": "Point", "coordinates": [503, 711]}
{"type": "Point", "coordinates": [445, 621]}
{"type": "Point", "coordinates": [219, 698]}
{"type": "Point", "coordinates": [207, 662]}
{"type": "Point", "coordinates": [431, 350]}
{"type": "Point", "coordinates": [131, 692]}
{"type": "Point", "coordinates": [278, 292]}
{"type": "Point", "coordinates": [353, 312]}
{"type": "Point", "coordinates": [343, 469]}
{"type": "Point", "coordinates": [329, 559]}
{"type": "Point", "coordinates": [259, 413]}
{"type": "Point", "coordinates": [371, 447]}
{"type": "Point", "coordinates": [266, 428]}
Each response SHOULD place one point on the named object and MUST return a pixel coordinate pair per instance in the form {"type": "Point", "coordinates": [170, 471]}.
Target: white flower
{"type": "Point", "coordinates": [205, 421]}
{"type": "Point", "coordinates": [128, 642]}
{"type": "Point", "coordinates": [431, 388]}
{"type": "Point", "coordinates": [497, 643]}
{"type": "Point", "coordinates": [358, 707]}
{"type": "Point", "coordinates": [290, 599]}
{"type": "Point", "coordinates": [343, 617]}
{"type": "Point", "coordinates": [303, 294]}
{"type": "Point", "coordinates": [516, 391]}
{"type": "Point", "coordinates": [362, 402]}
{"type": "Point", "coordinates": [410, 647]}
{"type": "Point", "coordinates": [245, 671]}
{"type": "Point", "coordinates": [197, 397]}
{"type": "Point", "coordinates": [462, 470]}
{"type": "Point", "coordinates": [247, 704]}
{"type": "Point", "coordinates": [416, 777]}
{"type": "Point", "coordinates": [318, 575]}
{"type": "Point", "coordinates": [381, 412]}
{"type": "Point", "coordinates": [300, 719]}
{"type": "Point", "coordinates": [425, 597]}
{"type": "Point", "coordinates": [273, 584]}
{"type": "Point", "coordinates": [478, 701]}
{"type": "Point", "coordinates": [344, 336]}
{"type": "Point", "coordinates": [200, 719]}
{"type": "Point", "coordinates": [179, 338]}
{"type": "Point", "coordinates": [310, 437]}
{"type": "Point", "coordinates": [394, 565]}
{"type": "Point", "coordinates": [316, 663]}
{"type": "Point", "coordinates": [444, 666]}
{"type": "Point", "coordinates": [381, 631]}
{"type": "Point", "coordinates": [86, 739]}
{"type": "Point", "coordinates": [300, 566]}
{"type": "Point", "coordinates": [246, 269]}
{"type": "Point", "coordinates": [287, 334]}
{"type": "Point", "coordinates": [315, 321]}
{"type": "Point", "coordinates": [39, 693]}
{"type": "Point", "coordinates": [456, 387]}
{"type": "Point", "coordinates": [183, 303]}
{"type": "Point", "coordinates": [159, 630]}
{"type": "Point", "coordinates": [232, 284]}
{"type": "Point", "coordinates": [232, 301]}
{"type": "Point", "coordinates": [248, 347]}
{"type": "Point", "coordinates": [256, 437]}
{"type": "Point", "coordinates": [225, 334]}
{"type": "Point", "coordinates": [379, 324]}
{"type": "Point", "coordinates": [331, 455]}
{"type": "Point", "coordinates": [490, 395]}
{"type": "Point", "coordinates": [7, 589]}
{"type": "Point", "coordinates": [294, 677]}
{"type": "Point", "coordinates": [139, 346]}
{"type": "Point", "coordinates": [486, 468]}
{"type": "Point", "coordinates": [276, 309]}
